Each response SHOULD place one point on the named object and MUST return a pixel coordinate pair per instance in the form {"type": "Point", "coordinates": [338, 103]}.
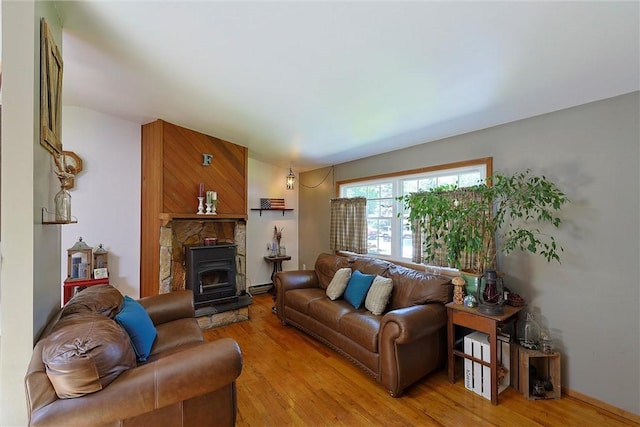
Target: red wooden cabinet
{"type": "Point", "coordinates": [70, 286]}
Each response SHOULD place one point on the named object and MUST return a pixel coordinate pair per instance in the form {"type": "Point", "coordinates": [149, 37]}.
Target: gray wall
{"type": "Point", "coordinates": [313, 221]}
{"type": "Point", "coordinates": [590, 301]}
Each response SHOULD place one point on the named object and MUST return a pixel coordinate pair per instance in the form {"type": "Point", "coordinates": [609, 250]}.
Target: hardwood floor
{"type": "Point", "coordinates": [289, 379]}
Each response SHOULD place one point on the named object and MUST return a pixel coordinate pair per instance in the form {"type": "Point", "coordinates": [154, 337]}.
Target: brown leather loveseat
{"type": "Point", "coordinates": [85, 369]}
{"type": "Point", "coordinates": [397, 347]}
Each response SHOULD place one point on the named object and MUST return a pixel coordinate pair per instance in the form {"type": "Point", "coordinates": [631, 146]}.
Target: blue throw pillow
{"type": "Point", "coordinates": [357, 288]}
{"type": "Point", "coordinates": [136, 321]}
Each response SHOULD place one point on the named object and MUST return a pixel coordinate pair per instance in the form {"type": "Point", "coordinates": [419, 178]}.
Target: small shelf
{"type": "Point", "coordinates": [46, 214]}
{"type": "Point", "coordinates": [272, 209]}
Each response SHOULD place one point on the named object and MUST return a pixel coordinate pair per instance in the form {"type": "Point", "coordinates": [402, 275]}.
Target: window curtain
{"type": "Point", "coordinates": [349, 225]}
{"type": "Point", "coordinates": [467, 261]}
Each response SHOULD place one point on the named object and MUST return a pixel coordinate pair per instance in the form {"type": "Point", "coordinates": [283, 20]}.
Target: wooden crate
{"type": "Point", "coordinates": [534, 364]}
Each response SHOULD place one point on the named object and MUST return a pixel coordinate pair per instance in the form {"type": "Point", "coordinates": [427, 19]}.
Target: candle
{"type": "Point", "coordinates": [209, 196]}
{"type": "Point", "coordinates": [201, 192]}
{"type": "Point", "coordinates": [214, 195]}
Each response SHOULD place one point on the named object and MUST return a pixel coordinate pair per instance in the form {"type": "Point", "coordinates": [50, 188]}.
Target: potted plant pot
{"type": "Point", "coordinates": [472, 280]}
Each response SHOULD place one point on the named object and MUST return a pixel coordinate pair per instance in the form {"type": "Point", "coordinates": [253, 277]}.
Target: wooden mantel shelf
{"type": "Point", "coordinates": [166, 218]}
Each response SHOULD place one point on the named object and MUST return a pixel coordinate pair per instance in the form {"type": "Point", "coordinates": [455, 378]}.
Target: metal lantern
{"type": "Point", "coordinates": [79, 261]}
{"type": "Point", "coordinates": [291, 179]}
{"type": "Point", "coordinates": [100, 258]}
{"type": "Point", "coordinates": [491, 294]}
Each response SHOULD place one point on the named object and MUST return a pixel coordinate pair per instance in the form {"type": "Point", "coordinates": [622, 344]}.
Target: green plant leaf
{"type": "Point", "coordinates": [468, 220]}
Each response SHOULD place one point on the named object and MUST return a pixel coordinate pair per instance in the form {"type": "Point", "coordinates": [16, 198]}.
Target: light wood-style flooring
{"type": "Point", "coordinates": [289, 379]}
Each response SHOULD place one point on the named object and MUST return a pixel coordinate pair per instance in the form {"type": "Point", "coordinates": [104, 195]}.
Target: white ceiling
{"type": "Point", "coordinates": [318, 83]}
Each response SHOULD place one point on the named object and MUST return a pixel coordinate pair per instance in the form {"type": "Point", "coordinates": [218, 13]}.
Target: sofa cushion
{"type": "Point", "coordinates": [361, 327]}
{"type": "Point", "coordinates": [378, 295]}
{"type": "Point", "coordinates": [339, 283]}
{"type": "Point", "coordinates": [135, 320]}
{"type": "Point", "coordinates": [329, 312]}
{"type": "Point", "coordinates": [102, 299]}
{"type": "Point", "coordinates": [175, 335]}
{"type": "Point", "coordinates": [327, 265]}
{"type": "Point", "coordinates": [413, 287]}
{"type": "Point", "coordinates": [377, 267]}
{"type": "Point", "coordinates": [299, 299]}
{"type": "Point", "coordinates": [357, 288]}
{"type": "Point", "coordinates": [86, 354]}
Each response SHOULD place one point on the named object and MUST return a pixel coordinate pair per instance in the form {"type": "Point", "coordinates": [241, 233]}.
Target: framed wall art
{"type": "Point", "coordinates": [50, 91]}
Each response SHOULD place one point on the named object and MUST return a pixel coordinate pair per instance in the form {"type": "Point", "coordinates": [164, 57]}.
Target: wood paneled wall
{"type": "Point", "coordinates": [172, 169]}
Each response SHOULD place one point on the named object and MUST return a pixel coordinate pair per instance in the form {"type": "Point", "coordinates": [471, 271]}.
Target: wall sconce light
{"type": "Point", "coordinates": [291, 179]}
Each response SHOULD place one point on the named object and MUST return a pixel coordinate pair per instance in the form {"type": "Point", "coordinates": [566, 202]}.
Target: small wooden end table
{"type": "Point", "coordinates": [277, 266]}
{"type": "Point", "coordinates": [277, 263]}
{"type": "Point", "coordinates": [458, 314]}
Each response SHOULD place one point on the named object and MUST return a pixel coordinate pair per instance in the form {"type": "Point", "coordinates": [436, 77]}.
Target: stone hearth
{"type": "Point", "coordinates": [208, 321]}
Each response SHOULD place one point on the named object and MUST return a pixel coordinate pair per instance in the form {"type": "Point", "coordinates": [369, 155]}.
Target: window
{"type": "Point", "coordinates": [388, 235]}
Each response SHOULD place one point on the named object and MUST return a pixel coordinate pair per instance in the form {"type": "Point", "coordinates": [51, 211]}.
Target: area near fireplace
{"type": "Point", "coordinates": [172, 171]}
{"type": "Point", "coordinates": [210, 273]}
{"type": "Point", "coordinates": [179, 234]}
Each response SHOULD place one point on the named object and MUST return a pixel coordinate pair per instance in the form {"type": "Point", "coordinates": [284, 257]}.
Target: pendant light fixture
{"type": "Point", "coordinates": [291, 179]}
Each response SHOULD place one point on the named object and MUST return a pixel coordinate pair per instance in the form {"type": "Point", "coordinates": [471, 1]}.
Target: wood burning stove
{"type": "Point", "coordinates": [210, 272]}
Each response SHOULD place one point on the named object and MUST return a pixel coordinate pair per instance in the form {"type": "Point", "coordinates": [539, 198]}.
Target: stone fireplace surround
{"type": "Point", "coordinates": [179, 232]}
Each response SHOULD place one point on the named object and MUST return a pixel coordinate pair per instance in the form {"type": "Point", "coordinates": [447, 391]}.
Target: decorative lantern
{"type": "Point", "coordinates": [491, 294]}
{"type": "Point", "coordinates": [100, 261]}
{"type": "Point", "coordinates": [291, 179]}
{"type": "Point", "coordinates": [79, 261]}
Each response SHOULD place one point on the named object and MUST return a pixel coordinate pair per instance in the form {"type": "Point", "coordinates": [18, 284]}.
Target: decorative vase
{"type": "Point", "coordinates": [529, 333]}
{"type": "Point", "coordinates": [472, 281]}
{"type": "Point", "coordinates": [63, 205]}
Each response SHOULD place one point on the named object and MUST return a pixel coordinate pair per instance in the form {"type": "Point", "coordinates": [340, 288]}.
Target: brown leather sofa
{"type": "Point", "coordinates": [397, 348]}
{"type": "Point", "coordinates": [184, 382]}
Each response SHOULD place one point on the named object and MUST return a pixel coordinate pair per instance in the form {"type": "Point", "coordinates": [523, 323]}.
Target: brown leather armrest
{"type": "Point", "coordinates": [215, 366]}
{"type": "Point", "coordinates": [192, 372]}
{"type": "Point", "coordinates": [165, 308]}
{"type": "Point", "coordinates": [295, 279]}
{"type": "Point", "coordinates": [289, 280]}
{"type": "Point", "coordinates": [405, 325]}
{"type": "Point", "coordinates": [411, 343]}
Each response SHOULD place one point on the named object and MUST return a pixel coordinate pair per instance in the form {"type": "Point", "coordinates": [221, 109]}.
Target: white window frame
{"type": "Point", "coordinates": [483, 166]}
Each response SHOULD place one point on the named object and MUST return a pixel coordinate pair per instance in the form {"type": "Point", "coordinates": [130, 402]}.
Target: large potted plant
{"type": "Point", "coordinates": [502, 214]}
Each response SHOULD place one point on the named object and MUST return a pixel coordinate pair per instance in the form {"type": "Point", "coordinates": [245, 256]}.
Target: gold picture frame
{"type": "Point", "coordinates": [50, 91]}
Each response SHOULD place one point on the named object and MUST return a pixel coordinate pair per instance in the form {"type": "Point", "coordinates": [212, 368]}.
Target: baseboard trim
{"type": "Point", "coordinates": [260, 289]}
{"type": "Point", "coordinates": [602, 405]}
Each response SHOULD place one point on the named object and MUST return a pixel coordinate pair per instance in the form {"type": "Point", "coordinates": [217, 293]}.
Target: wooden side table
{"type": "Point", "coordinates": [70, 285]}
{"type": "Point", "coordinates": [458, 314]}
{"type": "Point", "coordinates": [277, 263]}
{"type": "Point", "coordinates": [277, 266]}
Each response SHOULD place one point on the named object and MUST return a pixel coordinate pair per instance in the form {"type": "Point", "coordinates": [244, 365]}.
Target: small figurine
{"type": "Point", "coordinates": [458, 289]}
